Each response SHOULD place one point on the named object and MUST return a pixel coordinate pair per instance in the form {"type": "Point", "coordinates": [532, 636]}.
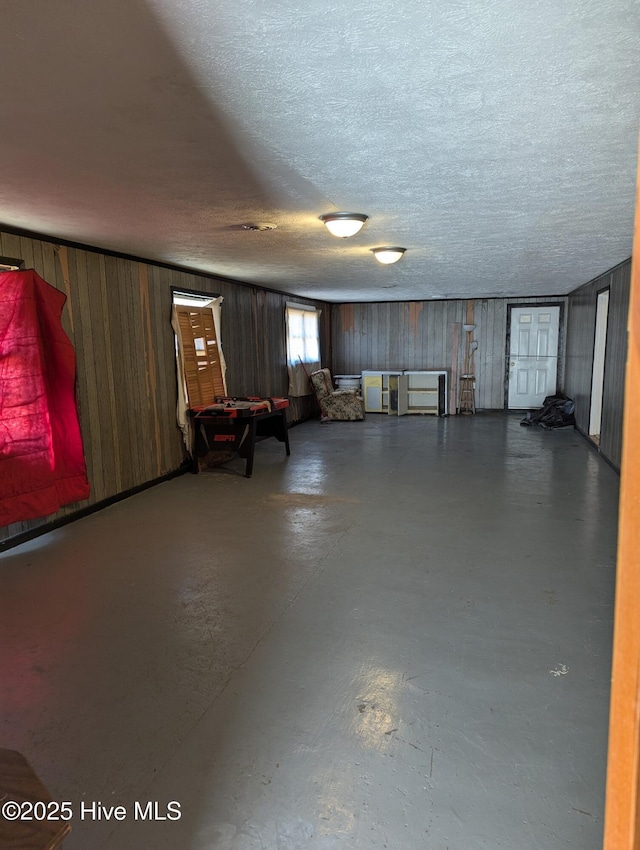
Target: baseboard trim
{"type": "Point", "coordinates": [46, 527]}
{"type": "Point", "coordinates": [596, 448]}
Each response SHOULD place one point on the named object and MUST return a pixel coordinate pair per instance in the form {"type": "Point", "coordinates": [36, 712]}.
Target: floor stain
{"type": "Point", "coordinates": [306, 499]}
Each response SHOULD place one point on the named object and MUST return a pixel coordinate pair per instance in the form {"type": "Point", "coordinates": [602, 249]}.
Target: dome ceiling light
{"type": "Point", "coordinates": [344, 224]}
{"type": "Point", "coordinates": [388, 254]}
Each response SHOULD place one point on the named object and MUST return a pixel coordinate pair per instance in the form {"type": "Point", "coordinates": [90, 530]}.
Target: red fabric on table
{"type": "Point", "coordinates": [234, 407]}
{"type": "Point", "coordinates": [42, 464]}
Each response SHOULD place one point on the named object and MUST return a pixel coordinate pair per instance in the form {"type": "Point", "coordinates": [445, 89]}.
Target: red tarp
{"type": "Point", "coordinates": [41, 456]}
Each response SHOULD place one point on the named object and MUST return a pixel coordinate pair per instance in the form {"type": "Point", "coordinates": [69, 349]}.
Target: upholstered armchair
{"type": "Point", "coordinates": [336, 404]}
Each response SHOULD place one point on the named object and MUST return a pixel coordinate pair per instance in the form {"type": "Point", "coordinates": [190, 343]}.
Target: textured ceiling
{"type": "Point", "coordinates": [496, 141]}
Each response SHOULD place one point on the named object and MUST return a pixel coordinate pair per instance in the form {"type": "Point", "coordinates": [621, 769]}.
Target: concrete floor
{"type": "Point", "coordinates": [398, 637]}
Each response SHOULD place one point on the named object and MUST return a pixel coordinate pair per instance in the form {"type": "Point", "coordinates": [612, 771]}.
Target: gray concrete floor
{"type": "Point", "coordinates": [398, 637]}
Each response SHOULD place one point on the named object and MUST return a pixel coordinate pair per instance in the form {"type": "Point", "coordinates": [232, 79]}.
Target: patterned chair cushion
{"type": "Point", "coordinates": [336, 404]}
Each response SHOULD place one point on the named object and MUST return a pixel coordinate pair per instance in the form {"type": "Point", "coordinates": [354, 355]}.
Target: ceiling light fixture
{"type": "Point", "coordinates": [344, 224]}
{"type": "Point", "coordinates": [388, 254]}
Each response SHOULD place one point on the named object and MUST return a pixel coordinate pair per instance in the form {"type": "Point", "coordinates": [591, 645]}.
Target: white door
{"type": "Point", "coordinates": [533, 355]}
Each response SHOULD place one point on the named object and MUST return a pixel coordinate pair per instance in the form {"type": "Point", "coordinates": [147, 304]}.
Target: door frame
{"type": "Point", "coordinates": [561, 335]}
{"type": "Point", "coordinates": [622, 804]}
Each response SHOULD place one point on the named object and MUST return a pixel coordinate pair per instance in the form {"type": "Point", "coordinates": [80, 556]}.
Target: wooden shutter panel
{"type": "Point", "coordinates": [202, 367]}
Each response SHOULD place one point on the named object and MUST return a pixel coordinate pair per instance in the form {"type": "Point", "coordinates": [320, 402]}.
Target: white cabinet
{"type": "Point", "coordinates": [400, 392]}
{"type": "Point", "coordinates": [427, 392]}
{"type": "Point", "coordinates": [375, 390]}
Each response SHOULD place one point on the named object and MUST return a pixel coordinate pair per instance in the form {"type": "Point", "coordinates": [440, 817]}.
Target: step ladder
{"type": "Point", "coordinates": [467, 399]}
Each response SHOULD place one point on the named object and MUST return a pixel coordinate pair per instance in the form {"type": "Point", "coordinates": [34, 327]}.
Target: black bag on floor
{"type": "Point", "coordinates": [557, 411]}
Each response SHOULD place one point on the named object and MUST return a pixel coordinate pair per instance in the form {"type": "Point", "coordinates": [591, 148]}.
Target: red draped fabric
{"type": "Point", "coordinates": [42, 463]}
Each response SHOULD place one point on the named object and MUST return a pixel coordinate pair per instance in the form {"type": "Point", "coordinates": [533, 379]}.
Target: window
{"type": "Point", "coordinates": [192, 299]}
{"type": "Point", "coordinates": [302, 337]}
{"type": "Point", "coordinates": [10, 264]}
{"type": "Point", "coordinates": [303, 346]}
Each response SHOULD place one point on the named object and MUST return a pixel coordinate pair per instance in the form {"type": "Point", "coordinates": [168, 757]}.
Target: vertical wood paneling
{"type": "Point", "coordinates": [112, 462]}
{"type": "Point", "coordinates": [150, 361]}
{"type": "Point", "coordinates": [118, 316]}
{"type": "Point", "coordinates": [161, 291]}
{"type": "Point", "coordinates": [448, 326]}
{"type": "Point", "coordinates": [50, 269]}
{"type": "Point", "coordinates": [614, 366]}
{"type": "Point", "coordinates": [10, 245]}
{"type": "Point", "coordinates": [454, 374]}
{"type": "Point", "coordinates": [580, 340]}
{"type": "Point", "coordinates": [579, 360]}
{"type": "Point", "coordinates": [393, 332]}
{"type": "Point", "coordinates": [428, 335]}
{"type": "Point", "coordinates": [64, 284]}
{"type": "Point", "coordinates": [89, 366]}
{"type": "Point", "coordinates": [127, 365]}
{"type": "Point", "coordinates": [492, 376]}
{"type": "Point", "coordinates": [26, 252]}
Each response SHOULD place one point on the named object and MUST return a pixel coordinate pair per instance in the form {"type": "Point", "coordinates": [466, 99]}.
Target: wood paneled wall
{"type": "Point", "coordinates": [118, 315]}
{"type": "Point", "coordinates": [429, 335]}
{"type": "Point", "coordinates": [579, 360]}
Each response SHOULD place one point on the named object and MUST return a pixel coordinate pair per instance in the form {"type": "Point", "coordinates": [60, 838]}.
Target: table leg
{"type": "Point", "coordinates": [285, 432]}
{"type": "Point", "coordinates": [251, 444]}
